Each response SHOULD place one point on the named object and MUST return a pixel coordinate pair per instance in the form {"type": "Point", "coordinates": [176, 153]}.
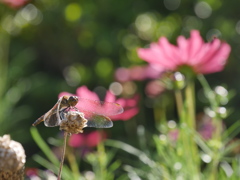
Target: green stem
{"type": "Point", "coordinates": [208, 92]}
{"type": "Point", "coordinates": [214, 106]}
{"type": "Point", "coordinates": [63, 155]}
{"type": "Point", "coordinates": [189, 119]}
{"type": "Point", "coordinates": [4, 50]}
{"type": "Point", "coordinates": [101, 160]}
{"type": "Point", "coordinates": [216, 122]}
{"type": "Point", "coordinates": [160, 117]}
{"type": "Point", "coordinates": [73, 164]}
{"type": "Point", "coordinates": [190, 105]}
{"type": "Point", "coordinates": [179, 102]}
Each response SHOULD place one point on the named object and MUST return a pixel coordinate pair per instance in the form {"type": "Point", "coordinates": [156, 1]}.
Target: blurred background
{"type": "Point", "coordinates": [47, 47]}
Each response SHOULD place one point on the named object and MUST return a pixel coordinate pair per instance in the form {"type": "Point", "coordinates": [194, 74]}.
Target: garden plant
{"type": "Point", "coordinates": [125, 90]}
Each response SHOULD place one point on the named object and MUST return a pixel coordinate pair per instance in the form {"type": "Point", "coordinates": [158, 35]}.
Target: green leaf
{"type": "Point", "coordinates": [132, 150]}
{"type": "Point", "coordinates": [43, 146]}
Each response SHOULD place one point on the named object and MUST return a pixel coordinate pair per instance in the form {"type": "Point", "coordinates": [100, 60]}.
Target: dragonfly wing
{"type": "Point", "coordinates": [51, 118]}
{"type": "Point", "coordinates": [51, 121]}
{"type": "Point", "coordinates": [99, 107]}
{"type": "Point", "coordinates": [97, 121]}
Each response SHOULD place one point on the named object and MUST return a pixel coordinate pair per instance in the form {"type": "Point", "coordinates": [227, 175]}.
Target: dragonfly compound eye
{"type": "Point", "coordinates": [65, 100]}
{"type": "Point", "coordinates": [73, 100]}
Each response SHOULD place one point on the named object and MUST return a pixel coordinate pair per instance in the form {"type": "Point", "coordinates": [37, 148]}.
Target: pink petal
{"type": "Point", "coordinates": [199, 57]}
{"type": "Point", "coordinates": [159, 55]}
{"type": "Point", "coordinates": [155, 55]}
{"type": "Point", "coordinates": [131, 102]}
{"type": "Point", "coordinates": [170, 52]}
{"type": "Point", "coordinates": [110, 97]}
{"type": "Point", "coordinates": [148, 55]}
{"type": "Point", "coordinates": [126, 115]}
{"type": "Point", "coordinates": [15, 3]}
{"type": "Point", "coordinates": [183, 46]}
{"type": "Point", "coordinates": [84, 92]}
{"type": "Point", "coordinates": [122, 74]}
{"type": "Point", "coordinates": [76, 140]}
{"type": "Point", "coordinates": [137, 73]}
{"type": "Point", "coordinates": [152, 72]}
{"type": "Point", "coordinates": [195, 44]}
{"type": "Point", "coordinates": [121, 101]}
{"type": "Point", "coordinates": [212, 49]}
{"type": "Point", "coordinates": [93, 139]}
{"type": "Point", "coordinates": [218, 59]}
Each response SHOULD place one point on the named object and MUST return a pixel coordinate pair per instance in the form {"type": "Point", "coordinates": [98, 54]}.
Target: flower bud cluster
{"type": "Point", "coordinates": [73, 122]}
{"type": "Point", "coordinates": [12, 159]}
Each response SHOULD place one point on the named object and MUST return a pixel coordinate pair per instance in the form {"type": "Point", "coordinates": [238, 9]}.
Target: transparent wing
{"type": "Point", "coordinates": [48, 120]}
{"type": "Point", "coordinates": [52, 118]}
{"type": "Point", "coordinates": [97, 121]}
{"type": "Point", "coordinates": [51, 121]}
{"type": "Point", "coordinates": [99, 107]}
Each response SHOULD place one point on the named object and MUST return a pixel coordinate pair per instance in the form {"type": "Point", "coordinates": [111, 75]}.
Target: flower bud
{"type": "Point", "coordinates": [173, 81]}
{"type": "Point", "coordinates": [12, 159]}
{"type": "Point", "coordinates": [221, 95]}
{"type": "Point", "coordinates": [179, 81]}
{"type": "Point", "coordinates": [73, 122]}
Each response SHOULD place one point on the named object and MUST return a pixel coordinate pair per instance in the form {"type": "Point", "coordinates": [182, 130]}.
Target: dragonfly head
{"type": "Point", "coordinates": [72, 100]}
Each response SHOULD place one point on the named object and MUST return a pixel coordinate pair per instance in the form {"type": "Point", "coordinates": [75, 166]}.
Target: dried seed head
{"type": "Point", "coordinates": [12, 159]}
{"type": "Point", "coordinates": [73, 122]}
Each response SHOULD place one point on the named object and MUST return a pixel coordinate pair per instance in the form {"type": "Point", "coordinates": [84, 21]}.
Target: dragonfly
{"type": "Point", "coordinates": [96, 112]}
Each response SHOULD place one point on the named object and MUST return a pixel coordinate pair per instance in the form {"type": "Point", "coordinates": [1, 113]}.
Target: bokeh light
{"type": "Point", "coordinates": [31, 14]}
{"type": "Point", "coordinates": [203, 10]}
{"type": "Point", "coordinates": [73, 12]}
{"type": "Point", "coordinates": [238, 27]}
{"type": "Point", "coordinates": [47, 47]}
{"type": "Point", "coordinates": [72, 76]}
{"type": "Point", "coordinates": [116, 88]}
{"type": "Point", "coordinates": [206, 158]}
{"type": "Point", "coordinates": [104, 67]}
{"type": "Point", "coordinates": [213, 33]}
{"type": "Point", "coordinates": [172, 4]}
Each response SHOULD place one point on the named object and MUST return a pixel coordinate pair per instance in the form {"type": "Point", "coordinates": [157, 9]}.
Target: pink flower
{"type": "Point", "coordinates": [129, 105]}
{"type": "Point", "coordinates": [154, 88]}
{"type": "Point", "coordinates": [137, 73]}
{"type": "Point", "coordinates": [205, 126]}
{"type": "Point", "coordinates": [14, 3]}
{"type": "Point", "coordinates": [31, 172]}
{"type": "Point", "coordinates": [88, 140]}
{"type": "Point", "coordinates": [206, 130]}
{"type": "Point", "coordinates": [202, 57]}
{"type": "Point", "coordinates": [173, 135]}
{"type": "Point", "coordinates": [82, 92]}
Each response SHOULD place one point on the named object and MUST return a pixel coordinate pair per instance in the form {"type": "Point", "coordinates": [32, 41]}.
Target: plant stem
{"type": "Point", "coordinates": [190, 105]}
{"type": "Point", "coordinates": [73, 163]}
{"type": "Point", "coordinates": [189, 120]}
{"type": "Point", "coordinates": [217, 123]}
{"type": "Point", "coordinates": [63, 154]}
{"type": "Point", "coordinates": [101, 160]}
{"type": "Point", "coordinates": [4, 51]}
{"type": "Point", "coordinates": [179, 102]}
{"type": "Point", "coordinates": [159, 111]}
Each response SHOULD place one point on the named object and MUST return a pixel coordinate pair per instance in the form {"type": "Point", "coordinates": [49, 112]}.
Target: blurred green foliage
{"type": "Point", "coordinates": [47, 47]}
